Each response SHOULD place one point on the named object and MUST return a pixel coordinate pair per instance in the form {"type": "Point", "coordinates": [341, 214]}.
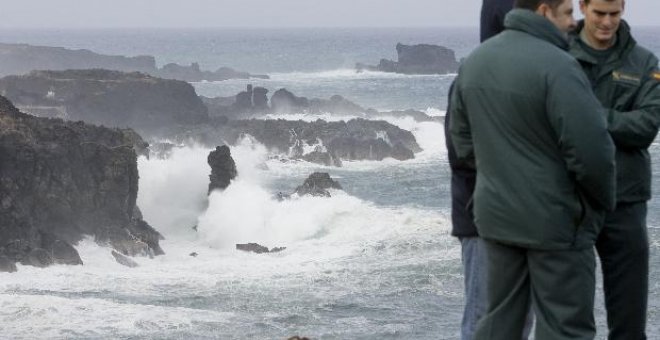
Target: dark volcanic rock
{"type": "Point", "coordinates": [123, 260]}
{"type": "Point", "coordinates": [64, 180]}
{"type": "Point", "coordinates": [357, 139]}
{"type": "Point", "coordinates": [39, 258]}
{"type": "Point", "coordinates": [64, 253]}
{"type": "Point", "coordinates": [283, 101]}
{"type": "Point", "coordinates": [260, 98]}
{"type": "Point", "coordinates": [110, 98]}
{"type": "Point", "coordinates": [257, 248]}
{"type": "Point", "coordinates": [60, 251]}
{"type": "Point", "coordinates": [7, 265]}
{"type": "Point", "coordinates": [417, 59]}
{"type": "Point", "coordinates": [317, 184]}
{"type": "Point", "coordinates": [223, 168]}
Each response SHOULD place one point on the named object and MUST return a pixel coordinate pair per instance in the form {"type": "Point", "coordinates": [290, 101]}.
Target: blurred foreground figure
{"type": "Point", "coordinates": [626, 80]}
{"type": "Point", "coordinates": [532, 128]}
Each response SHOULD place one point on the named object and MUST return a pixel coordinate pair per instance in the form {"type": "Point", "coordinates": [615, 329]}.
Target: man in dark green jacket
{"type": "Point", "coordinates": [523, 112]}
{"type": "Point", "coordinates": [626, 80]}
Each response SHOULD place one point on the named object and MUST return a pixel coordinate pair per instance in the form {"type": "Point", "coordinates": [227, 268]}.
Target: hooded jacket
{"type": "Point", "coordinates": [627, 84]}
{"type": "Point", "coordinates": [524, 114]}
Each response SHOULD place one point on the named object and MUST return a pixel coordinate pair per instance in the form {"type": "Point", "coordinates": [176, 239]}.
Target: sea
{"type": "Point", "coordinates": [374, 261]}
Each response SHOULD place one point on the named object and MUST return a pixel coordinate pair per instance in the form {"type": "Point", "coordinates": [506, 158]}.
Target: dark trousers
{"type": "Point", "coordinates": [623, 248]}
{"type": "Point", "coordinates": [559, 284]}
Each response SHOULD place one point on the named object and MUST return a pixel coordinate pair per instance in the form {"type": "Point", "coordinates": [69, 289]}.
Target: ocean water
{"type": "Point", "coordinates": [374, 261]}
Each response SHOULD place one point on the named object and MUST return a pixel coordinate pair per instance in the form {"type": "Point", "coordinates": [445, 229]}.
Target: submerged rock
{"type": "Point", "coordinates": [257, 248]}
{"type": "Point", "coordinates": [252, 247]}
{"type": "Point", "coordinates": [123, 260]}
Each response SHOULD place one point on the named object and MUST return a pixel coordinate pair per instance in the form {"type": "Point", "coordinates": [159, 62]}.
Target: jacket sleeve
{"type": "Point", "coordinates": [586, 146]}
{"type": "Point", "coordinates": [638, 128]}
{"type": "Point", "coordinates": [459, 128]}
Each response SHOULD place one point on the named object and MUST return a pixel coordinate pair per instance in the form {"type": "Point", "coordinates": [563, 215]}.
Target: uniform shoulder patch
{"type": "Point", "coordinates": [627, 78]}
{"type": "Point", "coordinates": [655, 75]}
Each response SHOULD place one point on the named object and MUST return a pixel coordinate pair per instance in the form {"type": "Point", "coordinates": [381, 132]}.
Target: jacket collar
{"type": "Point", "coordinates": [624, 44]}
{"type": "Point", "coordinates": [529, 22]}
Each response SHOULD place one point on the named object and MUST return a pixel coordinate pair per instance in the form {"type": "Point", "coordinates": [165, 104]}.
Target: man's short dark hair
{"type": "Point", "coordinates": [586, 2]}
{"type": "Point", "coordinates": [533, 5]}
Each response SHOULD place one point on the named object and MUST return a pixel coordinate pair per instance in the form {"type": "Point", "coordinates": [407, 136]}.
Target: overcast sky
{"type": "Point", "coordinates": [261, 13]}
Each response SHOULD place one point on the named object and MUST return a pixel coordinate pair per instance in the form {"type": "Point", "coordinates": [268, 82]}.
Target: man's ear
{"type": "Point", "coordinates": [543, 9]}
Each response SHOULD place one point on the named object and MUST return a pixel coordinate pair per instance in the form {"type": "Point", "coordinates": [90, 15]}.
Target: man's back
{"type": "Point", "coordinates": [535, 128]}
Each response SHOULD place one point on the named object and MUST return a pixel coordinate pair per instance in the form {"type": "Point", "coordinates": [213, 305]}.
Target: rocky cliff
{"type": "Point", "coordinates": [61, 181]}
{"type": "Point", "coordinates": [110, 98]}
{"type": "Point", "coordinates": [18, 59]}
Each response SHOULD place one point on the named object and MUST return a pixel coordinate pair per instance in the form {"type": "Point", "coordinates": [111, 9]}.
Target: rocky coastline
{"type": "Point", "coordinates": [18, 59]}
{"type": "Point", "coordinates": [62, 181]}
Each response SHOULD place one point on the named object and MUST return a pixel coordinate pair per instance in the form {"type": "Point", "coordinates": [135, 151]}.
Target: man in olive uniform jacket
{"type": "Point", "coordinates": [524, 115]}
{"type": "Point", "coordinates": [626, 80]}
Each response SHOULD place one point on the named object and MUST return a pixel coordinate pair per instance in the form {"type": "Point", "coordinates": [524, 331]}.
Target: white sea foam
{"type": "Point", "coordinates": [172, 191]}
{"type": "Point", "coordinates": [347, 74]}
{"type": "Point", "coordinates": [435, 112]}
{"type": "Point", "coordinates": [330, 241]}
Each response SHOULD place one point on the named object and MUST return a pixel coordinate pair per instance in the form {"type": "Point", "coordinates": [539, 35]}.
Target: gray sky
{"type": "Point", "coordinates": [261, 13]}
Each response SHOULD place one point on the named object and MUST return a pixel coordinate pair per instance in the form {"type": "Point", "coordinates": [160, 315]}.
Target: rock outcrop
{"type": "Point", "coordinates": [61, 181]}
{"type": "Point", "coordinates": [193, 73]}
{"type": "Point", "coordinates": [283, 101]}
{"type": "Point", "coordinates": [123, 260]}
{"type": "Point", "coordinates": [317, 184]}
{"type": "Point", "coordinates": [329, 143]}
{"type": "Point", "coordinates": [223, 168]}
{"type": "Point", "coordinates": [104, 97]}
{"type": "Point", "coordinates": [18, 59]}
{"type": "Point", "coordinates": [257, 248]}
{"type": "Point", "coordinates": [417, 59]}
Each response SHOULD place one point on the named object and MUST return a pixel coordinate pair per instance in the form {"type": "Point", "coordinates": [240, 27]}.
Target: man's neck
{"type": "Point", "coordinates": [596, 44]}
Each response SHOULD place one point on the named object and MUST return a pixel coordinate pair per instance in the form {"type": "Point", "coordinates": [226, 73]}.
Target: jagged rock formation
{"type": "Point", "coordinates": [109, 98]}
{"type": "Point", "coordinates": [17, 59]}
{"type": "Point", "coordinates": [60, 181]}
{"type": "Point", "coordinates": [223, 168]}
{"type": "Point", "coordinates": [357, 139]}
{"type": "Point", "coordinates": [417, 59]}
{"type": "Point", "coordinates": [327, 142]}
{"type": "Point", "coordinates": [253, 103]}
{"type": "Point", "coordinates": [169, 109]}
{"type": "Point", "coordinates": [317, 184]}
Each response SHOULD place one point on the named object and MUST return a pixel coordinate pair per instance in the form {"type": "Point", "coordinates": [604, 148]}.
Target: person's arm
{"type": "Point", "coordinates": [581, 129]}
{"type": "Point", "coordinates": [459, 128]}
{"type": "Point", "coordinates": [638, 128]}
